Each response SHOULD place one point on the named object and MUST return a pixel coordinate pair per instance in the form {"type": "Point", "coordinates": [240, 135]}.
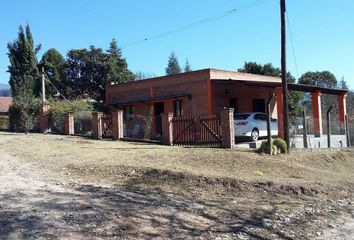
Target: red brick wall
{"type": "Point", "coordinates": [244, 95]}
{"type": "Point", "coordinates": [194, 83]}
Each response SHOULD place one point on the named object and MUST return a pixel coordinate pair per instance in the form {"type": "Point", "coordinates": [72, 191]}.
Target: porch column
{"type": "Point", "coordinates": [279, 94]}
{"type": "Point", "coordinates": [97, 125]}
{"type": "Point", "coordinates": [342, 110]}
{"type": "Point", "coordinates": [117, 124]}
{"type": "Point", "coordinates": [69, 124]}
{"type": "Point", "coordinates": [317, 113]}
{"type": "Point", "coordinates": [167, 128]}
{"type": "Point", "coordinates": [44, 125]}
{"type": "Point", "coordinates": [227, 127]}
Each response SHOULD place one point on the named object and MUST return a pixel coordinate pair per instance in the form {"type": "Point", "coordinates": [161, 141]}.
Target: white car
{"type": "Point", "coordinates": [254, 125]}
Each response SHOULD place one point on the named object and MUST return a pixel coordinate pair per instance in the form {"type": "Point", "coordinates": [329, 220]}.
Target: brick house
{"type": "Point", "coordinates": [205, 92]}
{"type": "Point", "coordinates": [5, 103]}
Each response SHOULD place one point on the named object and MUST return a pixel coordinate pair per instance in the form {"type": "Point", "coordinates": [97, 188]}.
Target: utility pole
{"type": "Point", "coordinates": [43, 86]}
{"type": "Point", "coordinates": [283, 74]}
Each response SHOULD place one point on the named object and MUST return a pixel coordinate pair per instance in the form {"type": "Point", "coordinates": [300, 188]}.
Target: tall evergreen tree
{"type": "Point", "coordinates": [24, 81]}
{"type": "Point", "coordinates": [173, 65]}
{"type": "Point", "coordinates": [187, 67]}
{"type": "Point", "coordinates": [23, 63]}
{"type": "Point", "coordinates": [118, 71]}
{"type": "Point", "coordinates": [343, 84]}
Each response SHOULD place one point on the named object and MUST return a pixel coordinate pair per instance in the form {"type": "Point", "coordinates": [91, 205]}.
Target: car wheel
{"type": "Point", "coordinates": [254, 135]}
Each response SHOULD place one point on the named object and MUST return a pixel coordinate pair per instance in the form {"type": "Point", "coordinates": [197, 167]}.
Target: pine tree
{"type": "Point", "coordinates": [23, 63]}
{"type": "Point", "coordinates": [118, 66]}
{"type": "Point", "coordinates": [173, 65]}
{"type": "Point", "coordinates": [343, 84]}
{"type": "Point", "coordinates": [187, 67]}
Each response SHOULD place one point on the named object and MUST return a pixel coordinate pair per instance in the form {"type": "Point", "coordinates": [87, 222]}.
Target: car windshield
{"type": "Point", "coordinates": [241, 116]}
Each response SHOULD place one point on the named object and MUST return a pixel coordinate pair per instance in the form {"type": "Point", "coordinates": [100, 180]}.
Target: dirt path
{"type": "Point", "coordinates": [345, 230]}
{"type": "Point", "coordinates": [35, 208]}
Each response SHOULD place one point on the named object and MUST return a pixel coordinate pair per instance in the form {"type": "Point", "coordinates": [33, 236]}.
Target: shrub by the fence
{"type": "Point", "coordinates": [4, 122]}
{"type": "Point", "coordinates": [23, 114]}
{"type": "Point", "coordinates": [264, 148]}
{"type": "Point", "coordinates": [281, 145]}
{"type": "Point", "coordinates": [59, 109]}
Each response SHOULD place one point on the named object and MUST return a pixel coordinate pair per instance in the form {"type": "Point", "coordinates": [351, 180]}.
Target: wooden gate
{"type": "Point", "coordinates": [202, 130]}
{"type": "Point", "coordinates": [210, 130]}
{"type": "Point", "coordinates": [106, 122]}
{"type": "Point", "coordinates": [184, 131]}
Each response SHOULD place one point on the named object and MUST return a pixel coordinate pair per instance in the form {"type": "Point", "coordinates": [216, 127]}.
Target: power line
{"type": "Point", "coordinates": [292, 45]}
{"type": "Point", "coordinates": [203, 21]}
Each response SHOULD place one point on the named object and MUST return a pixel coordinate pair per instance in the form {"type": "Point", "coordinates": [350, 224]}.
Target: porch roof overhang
{"type": "Point", "coordinates": [291, 86]}
{"type": "Point", "coordinates": [145, 99]}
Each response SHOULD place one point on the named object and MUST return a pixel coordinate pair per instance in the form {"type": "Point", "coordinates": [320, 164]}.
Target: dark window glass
{"type": "Point", "coordinates": [241, 116]}
{"type": "Point", "coordinates": [261, 117]}
{"type": "Point", "coordinates": [128, 112]}
{"type": "Point", "coordinates": [177, 105]}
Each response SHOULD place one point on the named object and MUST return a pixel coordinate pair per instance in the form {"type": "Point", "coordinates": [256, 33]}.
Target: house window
{"type": "Point", "coordinates": [128, 112]}
{"type": "Point", "coordinates": [177, 108]}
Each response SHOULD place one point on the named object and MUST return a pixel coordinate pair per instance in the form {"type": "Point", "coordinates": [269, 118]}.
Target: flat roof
{"type": "Point", "coordinates": [291, 86]}
{"type": "Point", "coordinates": [144, 99]}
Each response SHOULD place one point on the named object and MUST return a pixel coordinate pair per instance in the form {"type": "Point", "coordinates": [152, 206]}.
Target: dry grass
{"type": "Point", "coordinates": [61, 153]}
{"type": "Point", "coordinates": [224, 182]}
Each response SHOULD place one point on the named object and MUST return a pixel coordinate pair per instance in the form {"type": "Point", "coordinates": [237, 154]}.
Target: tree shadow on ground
{"type": "Point", "coordinates": [88, 211]}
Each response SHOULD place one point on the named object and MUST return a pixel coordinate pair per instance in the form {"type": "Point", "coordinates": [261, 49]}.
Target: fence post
{"type": "Point", "coordinates": [304, 128]}
{"type": "Point", "coordinates": [167, 128]}
{"type": "Point", "coordinates": [227, 127]}
{"type": "Point", "coordinates": [69, 124]}
{"type": "Point", "coordinates": [329, 126]}
{"type": "Point", "coordinates": [97, 125]}
{"type": "Point", "coordinates": [44, 125]}
{"type": "Point", "coordinates": [117, 125]}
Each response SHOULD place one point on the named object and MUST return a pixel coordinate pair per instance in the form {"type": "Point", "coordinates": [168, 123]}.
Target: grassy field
{"type": "Point", "coordinates": [224, 179]}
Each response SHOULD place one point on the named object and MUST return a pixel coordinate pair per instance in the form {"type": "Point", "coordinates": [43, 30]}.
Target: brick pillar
{"type": "Point", "coordinates": [227, 127]}
{"type": "Point", "coordinates": [44, 124]}
{"type": "Point", "coordinates": [342, 111]}
{"type": "Point", "coordinates": [117, 124]}
{"type": "Point", "coordinates": [97, 125]}
{"type": "Point", "coordinates": [279, 94]}
{"type": "Point", "coordinates": [317, 113]}
{"type": "Point", "coordinates": [69, 124]}
{"type": "Point", "coordinates": [167, 128]}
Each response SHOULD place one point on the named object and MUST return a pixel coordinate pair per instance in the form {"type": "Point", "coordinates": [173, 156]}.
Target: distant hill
{"type": "Point", "coordinates": [5, 90]}
{"type": "Point", "coordinates": [4, 86]}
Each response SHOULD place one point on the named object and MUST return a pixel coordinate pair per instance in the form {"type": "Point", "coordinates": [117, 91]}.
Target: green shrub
{"type": "Point", "coordinates": [4, 122]}
{"type": "Point", "coordinates": [264, 148]}
{"type": "Point", "coordinates": [59, 109]}
{"type": "Point", "coordinates": [281, 145]}
{"type": "Point", "coordinates": [24, 112]}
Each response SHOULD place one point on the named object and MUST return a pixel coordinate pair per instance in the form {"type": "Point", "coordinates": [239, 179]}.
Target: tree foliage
{"type": "Point", "coordinates": [23, 63]}
{"type": "Point", "coordinates": [173, 66]}
{"type": "Point", "coordinates": [89, 70]}
{"type": "Point", "coordinates": [24, 81]}
{"type": "Point", "coordinates": [295, 106]}
{"type": "Point", "coordinates": [320, 79]}
{"type": "Point", "coordinates": [187, 67]}
{"type": "Point", "coordinates": [24, 111]}
{"type": "Point", "coordinates": [54, 67]}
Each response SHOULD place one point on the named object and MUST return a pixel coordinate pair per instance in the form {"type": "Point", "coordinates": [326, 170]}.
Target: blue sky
{"type": "Point", "coordinates": [322, 31]}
